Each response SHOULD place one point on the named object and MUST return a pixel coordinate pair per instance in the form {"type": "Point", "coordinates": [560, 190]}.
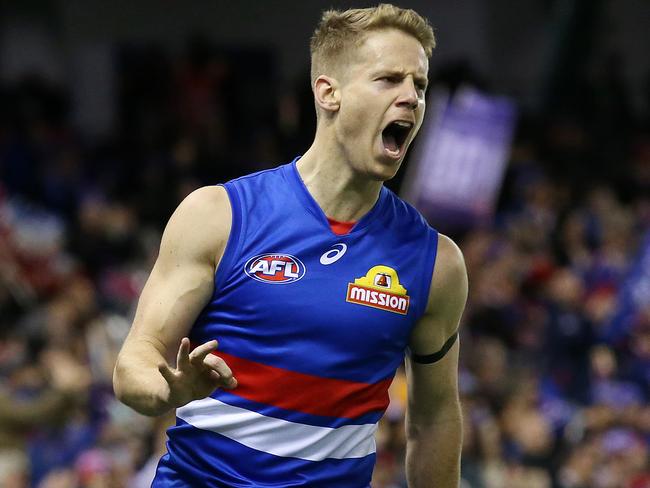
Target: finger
{"type": "Point", "coordinates": [219, 365]}
{"type": "Point", "coordinates": [199, 353]}
{"type": "Point", "coordinates": [231, 384]}
{"type": "Point", "coordinates": [220, 382]}
{"type": "Point", "coordinates": [183, 358]}
{"type": "Point", "coordinates": [166, 372]}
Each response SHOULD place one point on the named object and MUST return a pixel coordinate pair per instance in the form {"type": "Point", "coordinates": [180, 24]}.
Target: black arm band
{"type": "Point", "coordinates": [436, 356]}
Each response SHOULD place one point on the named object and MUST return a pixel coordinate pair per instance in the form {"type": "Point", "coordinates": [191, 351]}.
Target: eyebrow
{"type": "Point", "coordinates": [400, 72]}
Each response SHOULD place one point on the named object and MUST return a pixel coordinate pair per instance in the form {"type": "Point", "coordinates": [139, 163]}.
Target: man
{"type": "Point", "coordinates": [312, 279]}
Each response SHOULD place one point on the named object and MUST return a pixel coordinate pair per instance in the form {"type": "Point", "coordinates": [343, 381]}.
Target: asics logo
{"type": "Point", "coordinates": [333, 255]}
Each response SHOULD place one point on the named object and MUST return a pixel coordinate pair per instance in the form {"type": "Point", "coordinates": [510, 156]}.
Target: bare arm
{"type": "Point", "coordinates": [180, 285]}
{"type": "Point", "coordinates": [433, 419]}
{"type": "Point", "coordinates": [67, 386]}
{"type": "Point", "coordinates": [47, 408]}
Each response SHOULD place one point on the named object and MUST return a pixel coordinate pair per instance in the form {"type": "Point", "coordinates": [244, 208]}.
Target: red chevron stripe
{"type": "Point", "coordinates": [305, 393]}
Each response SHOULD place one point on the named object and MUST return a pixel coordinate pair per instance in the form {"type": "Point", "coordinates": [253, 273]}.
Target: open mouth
{"type": "Point", "coordinates": [394, 136]}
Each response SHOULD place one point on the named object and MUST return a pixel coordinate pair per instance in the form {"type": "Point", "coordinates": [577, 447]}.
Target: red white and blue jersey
{"type": "Point", "coordinates": [313, 325]}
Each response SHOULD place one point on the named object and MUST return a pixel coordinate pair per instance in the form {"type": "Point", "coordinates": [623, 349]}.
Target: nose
{"type": "Point", "coordinates": [409, 94]}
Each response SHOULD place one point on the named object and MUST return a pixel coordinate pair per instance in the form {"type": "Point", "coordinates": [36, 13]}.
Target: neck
{"type": "Point", "coordinates": [340, 192]}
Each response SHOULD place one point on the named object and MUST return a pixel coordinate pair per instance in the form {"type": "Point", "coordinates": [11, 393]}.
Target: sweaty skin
{"type": "Point", "coordinates": [343, 170]}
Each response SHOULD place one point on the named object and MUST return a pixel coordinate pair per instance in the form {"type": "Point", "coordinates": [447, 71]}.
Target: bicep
{"type": "Point", "coordinates": [435, 384]}
{"type": "Point", "coordinates": [182, 280]}
{"type": "Point", "coordinates": [432, 386]}
{"type": "Point", "coordinates": [170, 303]}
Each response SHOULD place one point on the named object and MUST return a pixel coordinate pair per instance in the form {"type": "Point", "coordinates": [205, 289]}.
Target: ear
{"type": "Point", "coordinates": [327, 93]}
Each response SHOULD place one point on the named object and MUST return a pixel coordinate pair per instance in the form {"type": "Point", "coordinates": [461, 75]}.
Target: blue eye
{"type": "Point", "coordinates": [390, 79]}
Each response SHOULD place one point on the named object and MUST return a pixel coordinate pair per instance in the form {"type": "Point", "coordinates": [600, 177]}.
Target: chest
{"type": "Point", "coordinates": [291, 293]}
{"type": "Point", "coordinates": [306, 286]}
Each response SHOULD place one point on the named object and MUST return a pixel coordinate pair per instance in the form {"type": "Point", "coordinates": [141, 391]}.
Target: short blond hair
{"type": "Point", "coordinates": [340, 30]}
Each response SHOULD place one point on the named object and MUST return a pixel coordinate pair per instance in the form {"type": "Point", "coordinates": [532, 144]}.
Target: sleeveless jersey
{"type": "Point", "coordinates": [313, 326]}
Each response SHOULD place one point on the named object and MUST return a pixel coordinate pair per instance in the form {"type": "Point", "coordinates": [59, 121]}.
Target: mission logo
{"type": "Point", "coordinates": [379, 288]}
{"type": "Point", "coordinates": [276, 269]}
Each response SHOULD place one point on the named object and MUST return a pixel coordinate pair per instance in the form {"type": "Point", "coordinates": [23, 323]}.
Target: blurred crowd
{"type": "Point", "coordinates": [555, 361]}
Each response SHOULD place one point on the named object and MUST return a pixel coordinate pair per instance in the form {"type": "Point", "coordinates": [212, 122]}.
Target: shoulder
{"type": "Point", "coordinates": [446, 300]}
{"type": "Point", "coordinates": [258, 189]}
{"type": "Point", "coordinates": [407, 214]}
{"type": "Point", "coordinates": [207, 205]}
{"type": "Point", "coordinates": [450, 263]}
{"type": "Point", "coordinates": [449, 280]}
{"type": "Point", "coordinates": [200, 225]}
{"type": "Point", "coordinates": [264, 176]}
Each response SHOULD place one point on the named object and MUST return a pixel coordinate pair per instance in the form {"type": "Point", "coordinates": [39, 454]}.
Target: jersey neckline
{"type": "Point", "coordinates": [370, 218]}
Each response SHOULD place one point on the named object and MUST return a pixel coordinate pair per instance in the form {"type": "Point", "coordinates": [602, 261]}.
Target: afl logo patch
{"type": "Point", "coordinates": [275, 269]}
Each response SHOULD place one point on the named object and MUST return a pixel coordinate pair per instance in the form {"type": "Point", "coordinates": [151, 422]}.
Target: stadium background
{"type": "Point", "coordinates": [111, 112]}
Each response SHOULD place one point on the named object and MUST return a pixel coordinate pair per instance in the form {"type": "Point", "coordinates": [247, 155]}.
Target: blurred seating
{"type": "Point", "coordinates": [555, 364]}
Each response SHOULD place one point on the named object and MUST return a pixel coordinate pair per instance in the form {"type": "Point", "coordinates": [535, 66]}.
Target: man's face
{"type": "Point", "coordinates": [382, 102]}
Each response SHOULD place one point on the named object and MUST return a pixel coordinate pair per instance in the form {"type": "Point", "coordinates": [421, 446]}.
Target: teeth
{"type": "Point", "coordinates": [401, 123]}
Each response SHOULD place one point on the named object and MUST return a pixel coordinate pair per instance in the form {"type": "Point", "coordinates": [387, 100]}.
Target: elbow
{"type": "Point", "coordinates": [419, 430]}
{"type": "Point", "coordinates": [135, 392]}
{"type": "Point", "coordinates": [123, 381]}
{"type": "Point", "coordinates": [118, 374]}
{"type": "Point", "coordinates": [447, 416]}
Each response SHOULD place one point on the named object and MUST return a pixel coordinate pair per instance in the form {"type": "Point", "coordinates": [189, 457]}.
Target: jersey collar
{"type": "Point", "coordinates": [372, 217]}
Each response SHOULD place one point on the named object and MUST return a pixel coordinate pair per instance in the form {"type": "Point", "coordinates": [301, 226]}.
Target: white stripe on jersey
{"type": "Point", "coordinates": [277, 436]}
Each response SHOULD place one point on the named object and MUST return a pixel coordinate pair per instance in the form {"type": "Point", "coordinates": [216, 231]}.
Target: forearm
{"type": "Point", "coordinates": [137, 381]}
{"type": "Point", "coordinates": [47, 408]}
{"type": "Point", "coordinates": [433, 450]}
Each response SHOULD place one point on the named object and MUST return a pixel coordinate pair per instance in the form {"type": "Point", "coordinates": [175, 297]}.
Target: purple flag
{"type": "Point", "coordinates": [455, 175]}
